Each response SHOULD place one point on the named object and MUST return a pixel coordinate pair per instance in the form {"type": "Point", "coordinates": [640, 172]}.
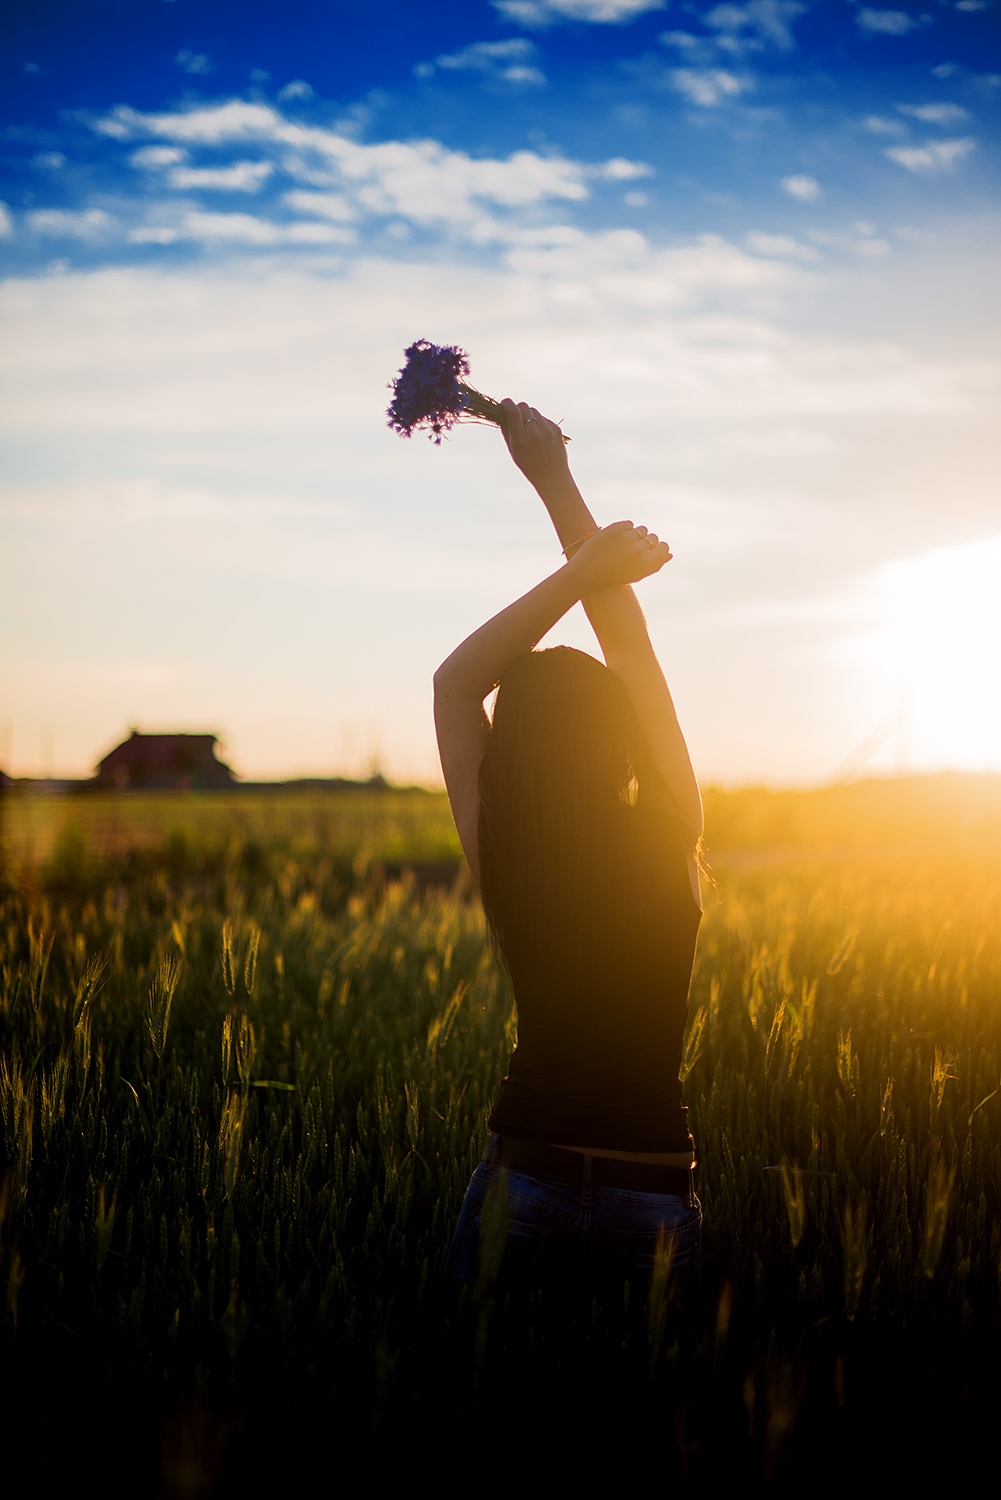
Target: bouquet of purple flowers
{"type": "Point", "coordinates": [429, 394]}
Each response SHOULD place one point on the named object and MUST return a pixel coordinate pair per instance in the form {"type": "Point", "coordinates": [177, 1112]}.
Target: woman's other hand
{"type": "Point", "coordinates": [618, 554]}
{"type": "Point", "coordinates": [536, 444]}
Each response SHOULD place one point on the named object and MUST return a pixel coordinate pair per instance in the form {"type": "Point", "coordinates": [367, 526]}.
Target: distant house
{"type": "Point", "coordinates": [164, 762]}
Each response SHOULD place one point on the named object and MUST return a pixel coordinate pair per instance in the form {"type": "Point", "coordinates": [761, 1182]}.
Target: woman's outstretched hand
{"type": "Point", "coordinates": [618, 554]}
{"type": "Point", "coordinates": [535, 443]}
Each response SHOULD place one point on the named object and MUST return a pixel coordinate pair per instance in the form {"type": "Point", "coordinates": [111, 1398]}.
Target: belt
{"type": "Point", "coordinates": [537, 1159]}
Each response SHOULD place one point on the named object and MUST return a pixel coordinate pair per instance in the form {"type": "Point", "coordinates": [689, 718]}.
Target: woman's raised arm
{"type": "Point", "coordinates": [537, 447]}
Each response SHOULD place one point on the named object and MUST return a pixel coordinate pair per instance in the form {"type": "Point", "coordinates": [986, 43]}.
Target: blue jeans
{"type": "Point", "coordinates": [529, 1222]}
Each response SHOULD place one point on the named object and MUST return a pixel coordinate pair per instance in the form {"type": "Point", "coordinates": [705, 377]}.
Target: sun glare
{"type": "Point", "coordinates": [937, 649]}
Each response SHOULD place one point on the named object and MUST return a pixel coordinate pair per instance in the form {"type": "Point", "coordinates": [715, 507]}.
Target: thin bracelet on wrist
{"type": "Point", "coordinates": [578, 541]}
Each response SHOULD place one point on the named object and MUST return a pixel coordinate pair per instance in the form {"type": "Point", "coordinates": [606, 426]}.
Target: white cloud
{"type": "Point", "coordinates": [245, 229]}
{"type": "Point", "coordinates": [540, 13]}
{"type": "Point", "coordinates": [194, 62]}
{"type": "Point", "coordinates": [297, 89]}
{"type": "Point", "coordinates": [933, 156]}
{"type": "Point", "coordinates": [636, 200]}
{"type": "Point", "coordinates": [866, 244]}
{"type": "Point", "coordinates": [157, 156]}
{"type": "Point", "coordinates": [85, 224]}
{"type": "Point", "coordinates": [877, 125]}
{"type": "Point", "coordinates": [620, 169]}
{"type": "Point", "coordinates": [49, 160]}
{"type": "Point", "coordinates": [683, 40]}
{"type": "Point", "coordinates": [574, 317]}
{"type": "Point", "coordinates": [418, 180]}
{"type": "Point", "coordinates": [323, 205]}
{"type": "Point", "coordinates": [511, 61]}
{"type": "Point", "coordinates": [872, 248]}
{"type": "Point", "coordinates": [802, 186]}
{"type": "Point", "coordinates": [708, 86]}
{"type": "Point", "coordinates": [6, 222]}
{"type": "Point", "coordinates": [620, 268]}
{"type": "Point", "coordinates": [758, 23]}
{"type": "Point", "coordinates": [210, 125]}
{"type": "Point", "coordinates": [888, 22]}
{"type": "Point", "coordinates": [779, 244]}
{"type": "Point", "coordinates": [151, 234]}
{"type": "Point", "coordinates": [935, 114]}
{"type": "Point", "coordinates": [241, 177]}
{"type": "Point", "coordinates": [971, 5]}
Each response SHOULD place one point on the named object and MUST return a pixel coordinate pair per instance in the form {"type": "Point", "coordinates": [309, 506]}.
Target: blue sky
{"type": "Point", "coordinates": [745, 250]}
{"type": "Point", "coordinates": [722, 102]}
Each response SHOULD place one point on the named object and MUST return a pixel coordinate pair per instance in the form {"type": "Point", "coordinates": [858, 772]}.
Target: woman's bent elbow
{"type": "Point", "coordinates": [454, 680]}
{"type": "Point", "coordinates": [442, 677]}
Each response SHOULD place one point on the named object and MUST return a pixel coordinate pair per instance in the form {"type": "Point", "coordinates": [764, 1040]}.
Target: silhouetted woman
{"type": "Point", "coordinates": [580, 816]}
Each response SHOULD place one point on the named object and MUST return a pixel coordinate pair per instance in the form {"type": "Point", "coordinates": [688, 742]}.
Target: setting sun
{"type": "Point", "coordinates": [936, 649]}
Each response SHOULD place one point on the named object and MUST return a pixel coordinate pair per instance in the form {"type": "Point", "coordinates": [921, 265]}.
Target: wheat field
{"type": "Point", "coordinates": [249, 1043]}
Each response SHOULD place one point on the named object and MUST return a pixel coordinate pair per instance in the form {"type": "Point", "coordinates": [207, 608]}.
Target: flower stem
{"type": "Point", "coordinates": [485, 409]}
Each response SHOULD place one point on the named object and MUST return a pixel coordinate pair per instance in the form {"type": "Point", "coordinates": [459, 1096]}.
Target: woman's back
{"type": "Point", "coordinates": [601, 1016]}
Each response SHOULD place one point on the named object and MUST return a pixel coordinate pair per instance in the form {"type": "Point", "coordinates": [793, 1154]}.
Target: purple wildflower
{"type": "Point", "coordinates": [427, 393]}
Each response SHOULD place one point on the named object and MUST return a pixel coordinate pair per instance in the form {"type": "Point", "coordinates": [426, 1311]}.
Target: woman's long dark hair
{"type": "Point", "coordinates": [564, 789]}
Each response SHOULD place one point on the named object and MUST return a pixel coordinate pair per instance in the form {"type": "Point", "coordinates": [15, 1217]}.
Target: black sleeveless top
{"type": "Point", "coordinates": [599, 1045]}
